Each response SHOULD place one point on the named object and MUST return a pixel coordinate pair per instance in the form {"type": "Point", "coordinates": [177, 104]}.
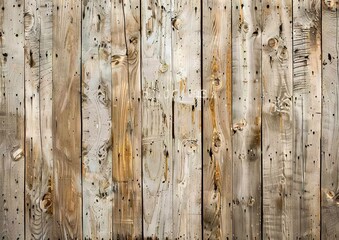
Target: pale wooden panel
{"type": "Point", "coordinates": [66, 188]}
{"type": "Point", "coordinates": [277, 119]}
{"type": "Point", "coordinates": [38, 100]}
{"type": "Point", "coordinates": [306, 119]}
{"type": "Point", "coordinates": [96, 119]}
{"type": "Point", "coordinates": [217, 93]}
{"type": "Point", "coordinates": [187, 156]}
{"type": "Point", "coordinates": [330, 117]}
{"type": "Point", "coordinates": [12, 120]}
{"type": "Point", "coordinates": [126, 120]}
{"type": "Point", "coordinates": [157, 87]}
{"type": "Point", "coordinates": [246, 110]}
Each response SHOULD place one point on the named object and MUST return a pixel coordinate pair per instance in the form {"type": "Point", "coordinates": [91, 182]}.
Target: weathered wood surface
{"type": "Point", "coordinates": [126, 120]}
{"type": "Point", "coordinates": [187, 155]}
{"type": "Point", "coordinates": [157, 119]}
{"type": "Point", "coordinates": [97, 189]}
{"type": "Point", "coordinates": [169, 119]}
{"type": "Point", "coordinates": [38, 110]}
{"type": "Point", "coordinates": [277, 119]}
{"type": "Point", "coordinates": [306, 119]}
{"type": "Point", "coordinates": [246, 118]}
{"type": "Point", "coordinates": [330, 128]}
{"type": "Point", "coordinates": [217, 110]}
{"type": "Point", "coordinates": [12, 131]}
{"type": "Point", "coordinates": [66, 184]}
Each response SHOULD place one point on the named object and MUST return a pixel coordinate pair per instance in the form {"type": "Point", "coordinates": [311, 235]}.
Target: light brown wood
{"type": "Point", "coordinates": [277, 119]}
{"type": "Point", "coordinates": [157, 119]}
{"type": "Point", "coordinates": [330, 114]}
{"type": "Point", "coordinates": [66, 185]}
{"type": "Point", "coordinates": [246, 118]}
{"type": "Point", "coordinates": [187, 156]}
{"type": "Point", "coordinates": [97, 192]}
{"type": "Point", "coordinates": [12, 120]}
{"type": "Point", "coordinates": [38, 105]}
{"type": "Point", "coordinates": [126, 120]}
{"type": "Point", "coordinates": [217, 100]}
{"type": "Point", "coordinates": [306, 119]}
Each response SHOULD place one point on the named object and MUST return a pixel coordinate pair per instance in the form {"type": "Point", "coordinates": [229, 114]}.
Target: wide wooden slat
{"type": "Point", "coordinates": [66, 185]}
{"type": "Point", "coordinates": [96, 119]}
{"type": "Point", "coordinates": [330, 117]}
{"type": "Point", "coordinates": [217, 110]}
{"type": "Point", "coordinates": [11, 120]}
{"type": "Point", "coordinates": [38, 102]}
{"type": "Point", "coordinates": [246, 118]}
{"type": "Point", "coordinates": [187, 156]}
{"type": "Point", "coordinates": [126, 120]}
{"type": "Point", "coordinates": [157, 119]}
{"type": "Point", "coordinates": [307, 118]}
{"type": "Point", "coordinates": [277, 119]}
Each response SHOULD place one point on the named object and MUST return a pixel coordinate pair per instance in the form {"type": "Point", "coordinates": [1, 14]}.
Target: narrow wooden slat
{"type": "Point", "coordinates": [246, 116]}
{"type": "Point", "coordinates": [330, 128]}
{"type": "Point", "coordinates": [217, 145]}
{"type": "Point", "coordinates": [277, 119]}
{"type": "Point", "coordinates": [306, 119]}
{"type": "Point", "coordinates": [11, 120]}
{"type": "Point", "coordinates": [126, 120]}
{"type": "Point", "coordinates": [38, 102]}
{"type": "Point", "coordinates": [66, 187]}
{"type": "Point", "coordinates": [187, 156]}
{"type": "Point", "coordinates": [157, 87]}
{"type": "Point", "coordinates": [96, 119]}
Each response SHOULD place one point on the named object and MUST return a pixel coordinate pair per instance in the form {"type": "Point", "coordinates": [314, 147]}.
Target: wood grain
{"type": "Point", "coordinates": [217, 110]}
{"type": "Point", "coordinates": [307, 118]}
{"type": "Point", "coordinates": [38, 110]}
{"type": "Point", "coordinates": [187, 155]}
{"type": "Point", "coordinates": [330, 114]}
{"type": "Point", "coordinates": [97, 192]}
{"type": "Point", "coordinates": [126, 120]}
{"type": "Point", "coordinates": [67, 201]}
{"type": "Point", "coordinates": [12, 120]}
{"type": "Point", "coordinates": [157, 119]}
{"type": "Point", "coordinates": [246, 118]}
{"type": "Point", "coordinates": [277, 119]}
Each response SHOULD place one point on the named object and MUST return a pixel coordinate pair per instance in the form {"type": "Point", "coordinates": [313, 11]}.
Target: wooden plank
{"type": "Point", "coordinates": [187, 156]}
{"type": "Point", "coordinates": [307, 118]}
{"type": "Point", "coordinates": [217, 110]}
{"type": "Point", "coordinates": [330, 114]}
{"type": "Point", "coordinates": [12, 120]}
{"type": "Point", "coordinates": [126, 120]}
{"type": "Point", "coordinates": [246, 118]}
{"type": "Point", "coordinates": [96, 120]}
{"type": "Point", "coordinates": [157, 87]}
{"type": "Point", "coordinates": [277, 118]}
{"type": "Point", "coordinates": [67, 205]}
{"type": "Point", "coordinates": [38, 110]}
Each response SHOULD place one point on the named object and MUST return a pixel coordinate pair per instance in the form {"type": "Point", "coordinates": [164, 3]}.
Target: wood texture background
{"type": "Point", "coordinates": [169, 119]}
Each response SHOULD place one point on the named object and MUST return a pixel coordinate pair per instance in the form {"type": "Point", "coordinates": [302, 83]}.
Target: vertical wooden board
{"type": "Point", "coordinates": [67, 205]}
{"type": "Point", "coordinates": [38, 110]}
{"type": "Point", "coordinates": [187, 156]}
{"type": "Point", "coordinates": [96, 120]}
{"type": "Point", "coordinates": [246, 118]}
{"type": "Point", "coordinates": [330, 114]}
{"type": "Point", "coordinates": [126, 114]}
{"type": "Point", "coordinates": [157, 88]}
{"type": "Point", "coordinates": [12, 120]}
{"type": "Point", "coordinates": [217, 110]}
{"type": "Point", "coordinates": [307, 118]}
{"type": "Point", "coordinates": [277, 118]}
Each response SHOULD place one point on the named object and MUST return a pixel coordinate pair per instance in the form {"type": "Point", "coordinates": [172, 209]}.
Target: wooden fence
{"type": "Point", "coordinates": [169, 119]}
